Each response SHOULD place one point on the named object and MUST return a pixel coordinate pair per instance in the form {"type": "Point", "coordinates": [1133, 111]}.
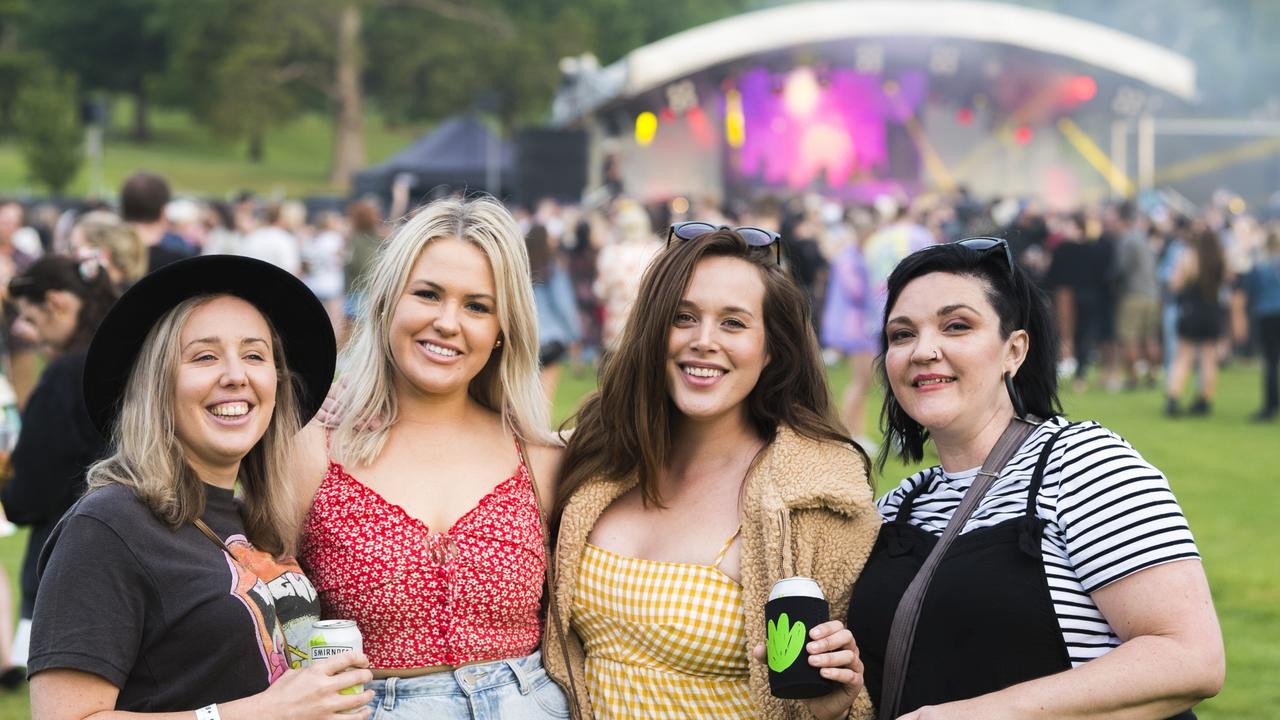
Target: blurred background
{"type": "Point", "coordinates": [1107, 141]}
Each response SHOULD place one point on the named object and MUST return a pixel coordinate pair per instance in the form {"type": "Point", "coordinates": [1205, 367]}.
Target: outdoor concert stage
{"type": "Point", "coordinates": [856, 99]}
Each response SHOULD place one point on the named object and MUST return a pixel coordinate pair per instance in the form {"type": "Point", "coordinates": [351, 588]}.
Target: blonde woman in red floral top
{"type": "Point", "coordinates": [421, 520]}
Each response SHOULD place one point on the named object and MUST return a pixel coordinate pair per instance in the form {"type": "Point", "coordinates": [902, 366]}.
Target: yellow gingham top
{"type": "Point", "coordinates": [662, 639]}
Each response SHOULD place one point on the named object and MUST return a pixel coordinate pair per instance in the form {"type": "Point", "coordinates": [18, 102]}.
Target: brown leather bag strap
{"type": "Point", "coordinates": [902, 633]}
{"type": "Point", "coordinates": [575, 710]}
{"type": "Point", "coordinates": [213, 537]}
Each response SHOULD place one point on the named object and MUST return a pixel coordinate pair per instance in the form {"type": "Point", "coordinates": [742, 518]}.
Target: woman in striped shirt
{"type": "Point", "coordinates": [1075, 588]}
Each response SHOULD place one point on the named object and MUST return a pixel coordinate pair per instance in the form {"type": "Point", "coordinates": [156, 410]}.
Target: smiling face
{"type": "Point", "coordinates": [946, 359]}
{"type": "Point", "coordinates": [225, 389]}
{"type": "Point", "coordinates": [445, 324]}
{"type": "Point", "coordinates": [716, 349]}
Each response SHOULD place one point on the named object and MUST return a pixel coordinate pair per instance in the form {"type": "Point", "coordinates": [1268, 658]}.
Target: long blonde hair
{"type": "Point", "coordinates": [508, 384]}
{"type": "Point", "coordinates": [148, 457]}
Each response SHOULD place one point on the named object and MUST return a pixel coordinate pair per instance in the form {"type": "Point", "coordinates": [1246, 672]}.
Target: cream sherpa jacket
{"type": "Point", "coordinates": [807, 510]}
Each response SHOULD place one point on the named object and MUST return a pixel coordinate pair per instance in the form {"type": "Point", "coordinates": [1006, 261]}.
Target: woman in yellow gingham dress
{"type": "Point", "coordinates": [713, 421]}
{"type": "Point", "coordinates": [662, 637]}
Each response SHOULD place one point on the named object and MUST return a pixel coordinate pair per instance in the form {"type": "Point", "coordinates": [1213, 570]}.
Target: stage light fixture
{"type": "Point", "coordinates": [735, 121]}
{"type": "Point", "coordinates": [646, 128]}
{"type": "Point", "coordinates": [801, 92]}
{"type": "Point", "coordinates": [1082, 88]}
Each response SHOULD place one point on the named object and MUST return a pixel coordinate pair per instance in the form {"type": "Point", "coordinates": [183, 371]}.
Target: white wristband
{"type": "Point", "coordinates": [208, 712]}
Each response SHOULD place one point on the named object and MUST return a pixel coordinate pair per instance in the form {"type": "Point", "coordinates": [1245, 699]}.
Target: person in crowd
{"type": "Point", "coordinates": [220, 234]}
{"type": "Point", "coordinates": [1174, 230]}
{"type": "Point", "coordinates": [16, 233]}
{"type": "Point", "coordinates": [21, 362]}
{"type": "Point", "coordinates": [64, 300]}
{"type": "Point", "coordinates": [422, 514]}
{"type": "Point", "coordinates": [1076, 275]}
{"type": "Point", "coordinates": [849, 325]}
{"type": "Point", "coordinates": [1197, 283]}
{"type": "Point", "coordinates": [620, 264]}
{"type": "Point", "coordinates": [580, 251]}
{"type": "Point", "coordinates": [102, 236]}
{"type": "Point", "coordinates": [558, 327]}
{"type": "Point", "coordinates": [323, 254]}
{"type": "Point", "coordinates": [365, 227]}
{"type": "Point", "coordinates": [161, 591]}
{"type": "Point", "coordinates": [1138, 313]}
{"type": "Point", "coordinates": [710, 464]}
{"type": "Point", "coordinates": [185, 221]}
{"type": "Point", "coordinates": [1260, 288]}
{"type": "Point", "coordinates": [276, 240]}
{"type": "Point", "coordinates": [1074, 589]}
{"type": "Point", "coordinates": [143, 198]}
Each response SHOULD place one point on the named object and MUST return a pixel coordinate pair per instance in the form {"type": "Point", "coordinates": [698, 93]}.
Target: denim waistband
{"type": "Point", "coordinates": [466, 680]}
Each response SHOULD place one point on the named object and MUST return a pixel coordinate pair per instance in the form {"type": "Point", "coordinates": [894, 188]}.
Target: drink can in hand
{"type": "Point", "coordinates": [796, 605]}
{"type": "Point", "coordinates": [334, 637]}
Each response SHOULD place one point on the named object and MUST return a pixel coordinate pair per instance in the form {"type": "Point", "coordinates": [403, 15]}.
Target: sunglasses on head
{"type": "Point", "coordinates": [754, 236]}
{"type": "Point", "coordinates": [985, 246]}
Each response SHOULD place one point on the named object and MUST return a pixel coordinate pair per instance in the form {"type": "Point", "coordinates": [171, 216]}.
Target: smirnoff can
{"type": "Point", "coordinates": [334, 637]}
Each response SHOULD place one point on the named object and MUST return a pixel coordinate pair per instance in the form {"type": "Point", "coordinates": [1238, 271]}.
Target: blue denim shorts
{"type": "Point", "coordinates": [516, 689]}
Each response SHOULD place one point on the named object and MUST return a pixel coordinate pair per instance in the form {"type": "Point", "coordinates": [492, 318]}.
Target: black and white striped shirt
{"type": "Point", "coordinates": [1109, 514]}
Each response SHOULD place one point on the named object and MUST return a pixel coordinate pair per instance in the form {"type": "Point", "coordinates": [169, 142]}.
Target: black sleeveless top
{"type": "Point", "coordinates": [988, 620]}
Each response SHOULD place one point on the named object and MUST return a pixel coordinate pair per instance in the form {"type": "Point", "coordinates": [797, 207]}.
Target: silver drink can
{"type": "Point", "coordinates": [334, 637]}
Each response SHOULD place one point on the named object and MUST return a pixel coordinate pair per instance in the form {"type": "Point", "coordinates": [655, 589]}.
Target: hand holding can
{"type": "Point", "coordinates": [334, 637]}
{"type": "Point", "coordinates": [795, 606]}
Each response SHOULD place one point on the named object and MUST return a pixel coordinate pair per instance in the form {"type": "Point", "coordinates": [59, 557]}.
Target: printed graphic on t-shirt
{"type": "Point", "coordinates": [281, 600]}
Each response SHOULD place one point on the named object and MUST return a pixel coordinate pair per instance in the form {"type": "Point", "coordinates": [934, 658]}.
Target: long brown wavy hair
{"type": "Point", "coordinates": [625, 427]}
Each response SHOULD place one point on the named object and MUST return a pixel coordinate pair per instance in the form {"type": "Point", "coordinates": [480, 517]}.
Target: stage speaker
{"type": "Point", "coordinates": [550, 163]}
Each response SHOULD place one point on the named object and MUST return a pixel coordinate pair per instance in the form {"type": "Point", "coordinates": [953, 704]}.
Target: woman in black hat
{"type": "Point", "coordinates": [161, 590]}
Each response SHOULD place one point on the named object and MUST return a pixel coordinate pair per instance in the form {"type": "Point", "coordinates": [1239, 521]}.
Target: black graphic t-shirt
{"type": "Point", "coordinates": [166, 616]}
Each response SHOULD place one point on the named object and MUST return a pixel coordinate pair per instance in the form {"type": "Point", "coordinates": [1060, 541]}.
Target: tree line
{"type": "Point", "coordinates": [244, 67]}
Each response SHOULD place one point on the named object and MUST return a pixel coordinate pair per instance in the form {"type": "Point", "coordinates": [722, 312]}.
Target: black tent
{"type": "Point", "coordinates": [457, 155]}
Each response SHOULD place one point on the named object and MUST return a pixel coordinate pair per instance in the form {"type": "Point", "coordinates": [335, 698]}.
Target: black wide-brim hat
{"type": "Point", "coordinates": [293, 310]}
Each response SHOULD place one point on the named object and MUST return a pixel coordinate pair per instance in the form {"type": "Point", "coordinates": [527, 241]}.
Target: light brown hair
{"type": "Point", "coordinates": [148, 457]}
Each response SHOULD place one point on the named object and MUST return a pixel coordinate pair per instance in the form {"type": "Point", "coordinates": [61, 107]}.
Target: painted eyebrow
{"type": "Point", "coordinates": [725, 309]}
{"type": "Point", "coordinates": [945, 310]}
{"type": "Point", "coordinates": [437, 286]}
{"type": "Point", "coordinates": [213, 340]}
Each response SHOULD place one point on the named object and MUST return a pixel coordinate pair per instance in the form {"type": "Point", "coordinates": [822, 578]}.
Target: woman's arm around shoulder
{"type": "Point", "coordinates": [310, 464]}
{"type": "Point", "coordinates": [544, 464]}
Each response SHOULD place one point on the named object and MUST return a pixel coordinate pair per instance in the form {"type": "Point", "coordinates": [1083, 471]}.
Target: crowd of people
{"type": "Point", "coordinates": [711, 462]}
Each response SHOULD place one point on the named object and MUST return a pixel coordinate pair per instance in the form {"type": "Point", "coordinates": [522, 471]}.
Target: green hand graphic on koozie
{"type": "Point", "coordinates": [784, 642]}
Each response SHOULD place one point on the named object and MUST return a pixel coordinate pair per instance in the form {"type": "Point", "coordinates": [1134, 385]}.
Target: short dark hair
{"type": "Point", "coordinates": [1019, 304]}
{"type": "Point", "coordinates": [143, 197]}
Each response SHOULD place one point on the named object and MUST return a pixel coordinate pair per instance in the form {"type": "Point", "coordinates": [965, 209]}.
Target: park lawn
{"type": "Point", "coordinates": [1224, 471]}
{"type": "Point", "coordinates": [197, 162]}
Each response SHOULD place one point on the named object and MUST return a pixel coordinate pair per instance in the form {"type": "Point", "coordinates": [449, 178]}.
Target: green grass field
{"type": "Point", "coordinates": [195, 161]}
{"type": "Point", "coordinates": [1224, 471]}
